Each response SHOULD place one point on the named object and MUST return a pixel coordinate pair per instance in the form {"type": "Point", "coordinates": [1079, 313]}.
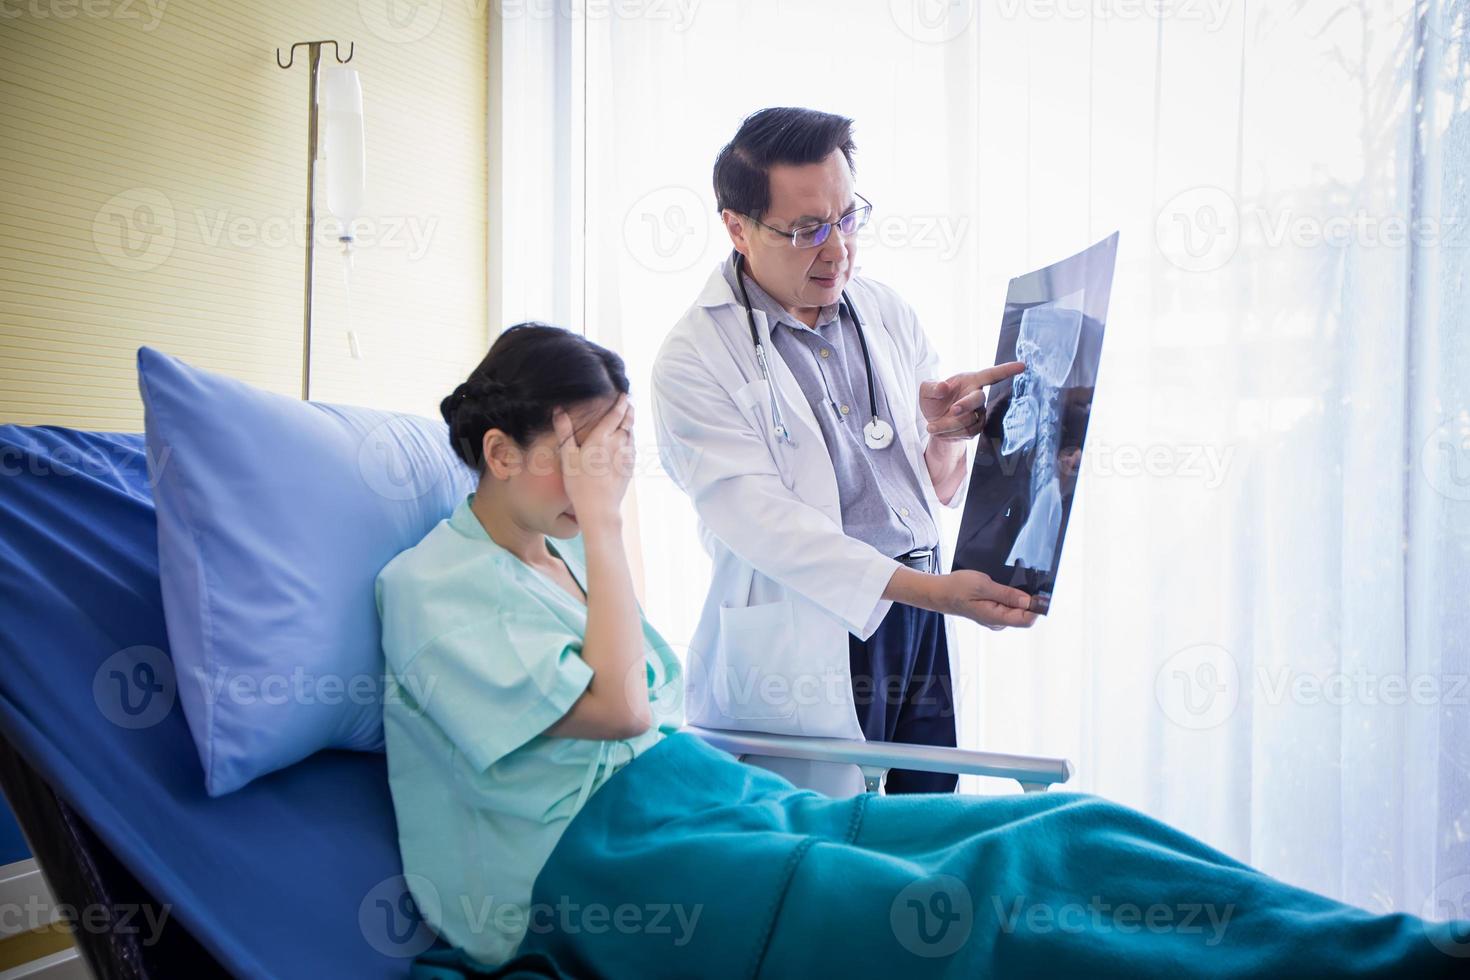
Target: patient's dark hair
{"type": "Point", "coordinates": [770, 137]}
{"type": "Point", "coordinates": [531, 369]}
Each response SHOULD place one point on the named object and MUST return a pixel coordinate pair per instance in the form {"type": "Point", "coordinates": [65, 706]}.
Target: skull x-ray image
{"type": "Point", "coordinates": [1028, 455]}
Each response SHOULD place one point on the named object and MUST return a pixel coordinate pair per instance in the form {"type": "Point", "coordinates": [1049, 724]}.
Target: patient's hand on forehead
{"type": "Point", "coordinates": [597, 457]}
{"type": "Point", "coordinates": [586, 416]}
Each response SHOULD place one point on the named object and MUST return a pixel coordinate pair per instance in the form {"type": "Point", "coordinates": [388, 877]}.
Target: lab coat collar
{"type": "Point", "coordinates": [717, 291]}
{"type": "Point", "coordinates": [718, 295]}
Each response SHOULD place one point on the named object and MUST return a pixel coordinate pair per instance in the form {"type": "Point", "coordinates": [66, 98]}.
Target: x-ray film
{"type": "Point", "coordinates": [1028, 455]}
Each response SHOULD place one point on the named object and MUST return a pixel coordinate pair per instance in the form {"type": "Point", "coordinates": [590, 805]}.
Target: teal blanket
{"type": "Point", "coordinates": [688, 863]}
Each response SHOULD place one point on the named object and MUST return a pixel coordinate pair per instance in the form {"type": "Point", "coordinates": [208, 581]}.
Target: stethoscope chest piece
{"type": "Point", "coordinates": [878, 434]}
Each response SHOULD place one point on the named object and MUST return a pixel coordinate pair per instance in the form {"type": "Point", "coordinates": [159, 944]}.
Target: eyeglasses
{"type": "Point", "coordinates": [810, 236]}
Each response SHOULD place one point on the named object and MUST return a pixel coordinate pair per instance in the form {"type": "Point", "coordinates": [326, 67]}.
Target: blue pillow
{"type": "Point", "coordinates": [274, 517]}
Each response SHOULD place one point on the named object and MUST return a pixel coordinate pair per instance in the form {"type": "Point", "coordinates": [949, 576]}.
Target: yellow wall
{"type": "Point", "coordinates": [152, 191]}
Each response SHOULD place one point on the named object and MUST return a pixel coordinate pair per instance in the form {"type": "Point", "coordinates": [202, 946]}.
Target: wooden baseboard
{"type": "Point", "coordinates": [32, 943]}
{"type": "Point", "coordinates": [28, 949]}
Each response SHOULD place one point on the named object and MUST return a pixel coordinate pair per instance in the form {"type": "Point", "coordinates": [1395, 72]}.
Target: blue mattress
{"type": "Point", "coordinates": [291, 876]}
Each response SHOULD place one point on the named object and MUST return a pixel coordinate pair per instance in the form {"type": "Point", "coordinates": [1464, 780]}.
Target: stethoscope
{"type": "Point", "coordinates": [877, 434]}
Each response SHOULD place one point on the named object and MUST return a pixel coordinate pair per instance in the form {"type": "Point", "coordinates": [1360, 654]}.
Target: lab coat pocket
{"type": "Point", "coordinates": [756, 666]}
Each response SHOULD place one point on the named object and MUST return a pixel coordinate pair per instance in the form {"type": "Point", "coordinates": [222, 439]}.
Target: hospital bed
{"type": "Point", "coordinates": [295, 875]}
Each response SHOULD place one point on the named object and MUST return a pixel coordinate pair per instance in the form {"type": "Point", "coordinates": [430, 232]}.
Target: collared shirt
{"type": "Point", "coordinates": [484, 653]}
{"type": "Point", "coordinates": [882, 500]}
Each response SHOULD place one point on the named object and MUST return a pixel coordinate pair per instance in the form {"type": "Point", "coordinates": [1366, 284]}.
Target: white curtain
{"type": "Point", "coordinates": [1260, 631]}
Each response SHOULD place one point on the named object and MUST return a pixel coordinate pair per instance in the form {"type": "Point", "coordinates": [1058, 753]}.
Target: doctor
{"type": "Point", "coordinates": [797, 407]}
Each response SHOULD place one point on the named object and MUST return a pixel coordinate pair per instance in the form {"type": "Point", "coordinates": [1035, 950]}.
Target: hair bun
{"type": "Point", "coordinates": [486, 390]}
{"type": "Point", "coordinates": [486, 397]}
{"type": "Point", "coordinates": [449, 407]}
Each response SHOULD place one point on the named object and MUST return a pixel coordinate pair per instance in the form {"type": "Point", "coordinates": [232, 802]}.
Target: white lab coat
{"type": "Point", "coordinates": [770, 653]}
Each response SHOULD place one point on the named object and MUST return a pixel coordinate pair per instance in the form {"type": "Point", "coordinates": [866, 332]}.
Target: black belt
{"type": "Point", "coordinates": [922, 559]}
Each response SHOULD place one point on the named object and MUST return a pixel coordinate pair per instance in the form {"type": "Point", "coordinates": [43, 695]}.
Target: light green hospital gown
{"type": "Point", "coordinates": [483, 655]}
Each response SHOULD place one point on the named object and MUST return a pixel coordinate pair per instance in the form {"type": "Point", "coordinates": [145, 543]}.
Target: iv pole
{"type": "Point", "coordinates": [314, 56]}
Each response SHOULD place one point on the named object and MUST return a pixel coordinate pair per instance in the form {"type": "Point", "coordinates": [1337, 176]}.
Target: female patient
{"type": "Point", "coordinates": [521, 673]}
{"type": "Point", "coordinates": [524, 683]}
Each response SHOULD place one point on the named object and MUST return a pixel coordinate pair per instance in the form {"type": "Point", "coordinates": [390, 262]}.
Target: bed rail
{"type": "Point", "coordinates": [1034, 773]}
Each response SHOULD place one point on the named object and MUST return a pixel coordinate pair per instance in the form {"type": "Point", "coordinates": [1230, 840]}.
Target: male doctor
{"type": "Point", "coordinates": [797, 406]}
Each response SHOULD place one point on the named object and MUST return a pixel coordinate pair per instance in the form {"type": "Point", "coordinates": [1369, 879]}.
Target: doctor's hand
{"type": "Point", "coordinates": [596, 471]}
{"type": "Point", "coordinates": [963, 592]}
{"type": "Point", "coordinates": [955, 407]}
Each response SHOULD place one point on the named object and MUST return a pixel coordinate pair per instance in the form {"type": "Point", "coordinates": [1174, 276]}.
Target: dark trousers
{"type": "Point", "coordinates": [904, 692]}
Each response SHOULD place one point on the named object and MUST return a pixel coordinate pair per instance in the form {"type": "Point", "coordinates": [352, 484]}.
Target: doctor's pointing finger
{"type": "Point", "coordinates": [797, 405]}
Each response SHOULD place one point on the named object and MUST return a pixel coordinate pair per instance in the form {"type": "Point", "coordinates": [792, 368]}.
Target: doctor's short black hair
{"type": "Point", "coordinates": [532, 368]}
{"type": "Point", "coordinates": [769, 137]}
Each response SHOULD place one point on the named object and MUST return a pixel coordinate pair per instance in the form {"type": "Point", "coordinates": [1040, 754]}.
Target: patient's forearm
{"type": "Point", "coordinates": [615, 704]}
